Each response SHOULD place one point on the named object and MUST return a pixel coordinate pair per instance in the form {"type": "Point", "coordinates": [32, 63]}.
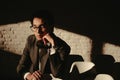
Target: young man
{"type": "Point", "coordinates": [44, 52]}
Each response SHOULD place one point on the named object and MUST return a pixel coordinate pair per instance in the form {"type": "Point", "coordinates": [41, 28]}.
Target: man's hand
{"type": "Point", "coordinates": [34, 76]}
{"type": "Point", "coordinates": [49, 39]}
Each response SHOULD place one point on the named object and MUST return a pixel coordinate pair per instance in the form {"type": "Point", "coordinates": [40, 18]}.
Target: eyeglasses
{"type": "Point", "coordinates": [35, 28]}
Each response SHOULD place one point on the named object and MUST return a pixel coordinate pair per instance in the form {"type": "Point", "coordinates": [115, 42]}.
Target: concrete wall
{"type": "Point", "coordinates": [13, 38]}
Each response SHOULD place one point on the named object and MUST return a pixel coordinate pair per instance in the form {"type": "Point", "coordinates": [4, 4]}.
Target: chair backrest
{"type": "Point", "coordinates": [104, 64]}
{"type": "Point", "coordinates": [103, 77]}
{"type": "Point", "coordinates": [70, 60]}
{"type": "Point", "coordinates": [82, 66]}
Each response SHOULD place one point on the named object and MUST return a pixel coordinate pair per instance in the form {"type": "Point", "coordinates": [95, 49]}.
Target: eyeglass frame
{"type": "Point", "coordinates": [37, 28]}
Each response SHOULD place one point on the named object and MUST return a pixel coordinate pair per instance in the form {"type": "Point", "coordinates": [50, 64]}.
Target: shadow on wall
{"type": "Point", "coordinates": [8, 64]}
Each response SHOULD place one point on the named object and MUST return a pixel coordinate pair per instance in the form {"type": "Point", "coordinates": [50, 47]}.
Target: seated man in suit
{"type": "Point", "coordinates": [44, 52]}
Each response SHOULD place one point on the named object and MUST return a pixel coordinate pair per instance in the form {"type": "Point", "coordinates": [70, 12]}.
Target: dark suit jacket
{"type": "Point", "coordinates": [29, 61]}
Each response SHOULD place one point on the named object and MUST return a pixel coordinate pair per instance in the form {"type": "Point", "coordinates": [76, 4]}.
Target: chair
{"type": "Point", "coordinates": [103, 77]}
{"type": "Point", "coordinates": [82, 70]}
{"type": "Point", "coordinates": [68, 63]}
{"type": "Point", "coordinates": [104, 64]}
{"type": "Point", "coordinates": [82, 66]}
{"type": "Point", "coordinates": [71, 59]}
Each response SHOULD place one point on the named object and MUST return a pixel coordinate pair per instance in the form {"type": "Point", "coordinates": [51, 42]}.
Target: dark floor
{"type": "Point", "coordinates": [8, 64]}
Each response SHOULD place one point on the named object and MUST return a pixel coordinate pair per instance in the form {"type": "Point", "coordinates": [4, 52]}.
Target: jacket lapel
{"type": "Point", "coordinates": [34, 57]}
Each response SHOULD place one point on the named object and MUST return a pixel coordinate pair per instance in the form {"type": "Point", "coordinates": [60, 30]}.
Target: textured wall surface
{"type": "Point", "coordinates": [112, 50]}
{"type": "Point", "coordinates": [13, 38]}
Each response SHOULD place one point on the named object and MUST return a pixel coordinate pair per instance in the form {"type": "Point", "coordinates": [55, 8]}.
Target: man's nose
{"type": "Point", "coordinates": [40, 30]}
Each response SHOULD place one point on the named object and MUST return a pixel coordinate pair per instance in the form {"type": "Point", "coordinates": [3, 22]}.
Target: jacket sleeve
{"type": "Point", "coordinates": [62, 50]}
{"type": "Point", "coordinates": [24, 63]}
